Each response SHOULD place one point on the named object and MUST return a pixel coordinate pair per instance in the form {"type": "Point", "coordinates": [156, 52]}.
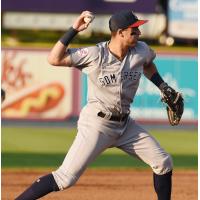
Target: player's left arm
{"type": "Point", "coordinates": [150, 69]}
{"type": "Point", "coordinates": [173, 99]}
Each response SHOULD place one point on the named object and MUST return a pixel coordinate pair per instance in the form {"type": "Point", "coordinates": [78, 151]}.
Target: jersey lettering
{"type": "Point", "coordinates": [108, 79]}
{"type": "Point", "coordinates": [130, 75]}
{"type": "Point", "coordinates": [113, 78]}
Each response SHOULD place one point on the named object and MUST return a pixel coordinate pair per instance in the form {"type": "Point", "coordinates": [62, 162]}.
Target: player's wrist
{"type": "Point", "coordinates": [68, 36]}
{"type": "Point", "coordinates": [163, 85]}
{"type": "Point", "coordinates": [158, 81]}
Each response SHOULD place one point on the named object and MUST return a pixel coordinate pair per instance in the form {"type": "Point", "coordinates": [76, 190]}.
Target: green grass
{"type": "Point", "coordinates": [36, 140]}
{"type": "Point", "coordinates": [46, 147]}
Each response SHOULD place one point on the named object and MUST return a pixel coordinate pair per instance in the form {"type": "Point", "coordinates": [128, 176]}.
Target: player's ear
{"type": "Point", "coordinates": [120, 32]}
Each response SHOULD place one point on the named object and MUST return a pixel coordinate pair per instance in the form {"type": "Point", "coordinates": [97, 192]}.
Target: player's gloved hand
{"type": "Point", "coordinates": [174, 103]}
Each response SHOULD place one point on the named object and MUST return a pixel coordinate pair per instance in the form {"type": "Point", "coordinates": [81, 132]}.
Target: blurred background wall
{"type": "Point", "coordinates": [37, 91]}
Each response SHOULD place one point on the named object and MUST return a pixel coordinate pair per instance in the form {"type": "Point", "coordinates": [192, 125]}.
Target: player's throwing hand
{"type": "Point", "coordinates": [80, 24]}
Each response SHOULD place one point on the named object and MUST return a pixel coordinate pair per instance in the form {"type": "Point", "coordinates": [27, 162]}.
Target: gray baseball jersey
{"type": "Point", "coordinates": [112, 85]}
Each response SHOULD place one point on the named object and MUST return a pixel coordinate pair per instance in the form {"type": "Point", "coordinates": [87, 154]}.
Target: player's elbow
{"type": "Point", "coordinates": [57, 61]}
{"type": "Point", "coordinates": [53, 60]}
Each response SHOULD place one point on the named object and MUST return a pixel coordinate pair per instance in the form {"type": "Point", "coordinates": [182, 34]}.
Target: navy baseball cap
{"type": "Point", "coordinates": [124, 19]}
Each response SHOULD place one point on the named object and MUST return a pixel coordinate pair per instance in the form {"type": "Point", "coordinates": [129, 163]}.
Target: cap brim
{"type": "Point", "coordinates": [138, 23]}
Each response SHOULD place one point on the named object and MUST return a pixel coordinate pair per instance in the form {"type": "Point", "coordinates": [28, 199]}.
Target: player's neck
{"type": "Point", "coordinates": [119, 51]}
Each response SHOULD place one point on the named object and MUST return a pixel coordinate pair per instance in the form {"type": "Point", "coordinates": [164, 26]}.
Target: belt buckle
{"type": "Point", "coordinates": [107, 115]}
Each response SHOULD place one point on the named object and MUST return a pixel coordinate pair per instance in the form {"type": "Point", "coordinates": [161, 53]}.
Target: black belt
{"type": "Point", "coordinates": [114, 117]}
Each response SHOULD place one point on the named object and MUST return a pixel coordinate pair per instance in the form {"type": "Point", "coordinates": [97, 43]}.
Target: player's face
{"type": "Point", "coordinates": [131, 36]}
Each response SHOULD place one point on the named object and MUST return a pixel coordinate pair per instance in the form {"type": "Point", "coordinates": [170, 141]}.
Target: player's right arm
{"type": "Point", "coordinates": [59, 55]}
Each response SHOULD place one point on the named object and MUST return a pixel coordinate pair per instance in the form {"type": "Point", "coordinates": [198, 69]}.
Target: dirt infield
{"type": "Point", "coordinates": [104, 184]}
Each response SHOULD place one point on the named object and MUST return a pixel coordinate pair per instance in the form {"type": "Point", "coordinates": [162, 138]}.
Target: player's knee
{"type": "Point", "coordinates": [64, 179]}
{"type": "Point", "coordinates": [164, 166]}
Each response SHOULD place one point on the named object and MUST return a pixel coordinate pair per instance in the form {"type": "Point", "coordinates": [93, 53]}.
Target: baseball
{"type": "Point", "coordinates": [89, 18]}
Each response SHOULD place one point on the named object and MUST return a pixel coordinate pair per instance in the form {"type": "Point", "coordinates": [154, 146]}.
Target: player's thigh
{"type": "Point", "coordinates": [136, 141]}
{"type": "Point", "coordinates": [88, 144]}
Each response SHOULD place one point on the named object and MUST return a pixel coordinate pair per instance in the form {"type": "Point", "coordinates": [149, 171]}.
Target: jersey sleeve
{"type": "Point", "coordinates": [82, 58]}
{"type": "Point", "coordinates": [148, 53]}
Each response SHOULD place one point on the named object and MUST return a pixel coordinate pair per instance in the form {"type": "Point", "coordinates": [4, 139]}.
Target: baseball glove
{"type": "Point", "coordinates": [174, 104]}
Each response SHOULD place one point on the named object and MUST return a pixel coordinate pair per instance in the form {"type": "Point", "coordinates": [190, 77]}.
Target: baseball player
{"type": "Point", "coordinates": [114, 69]}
